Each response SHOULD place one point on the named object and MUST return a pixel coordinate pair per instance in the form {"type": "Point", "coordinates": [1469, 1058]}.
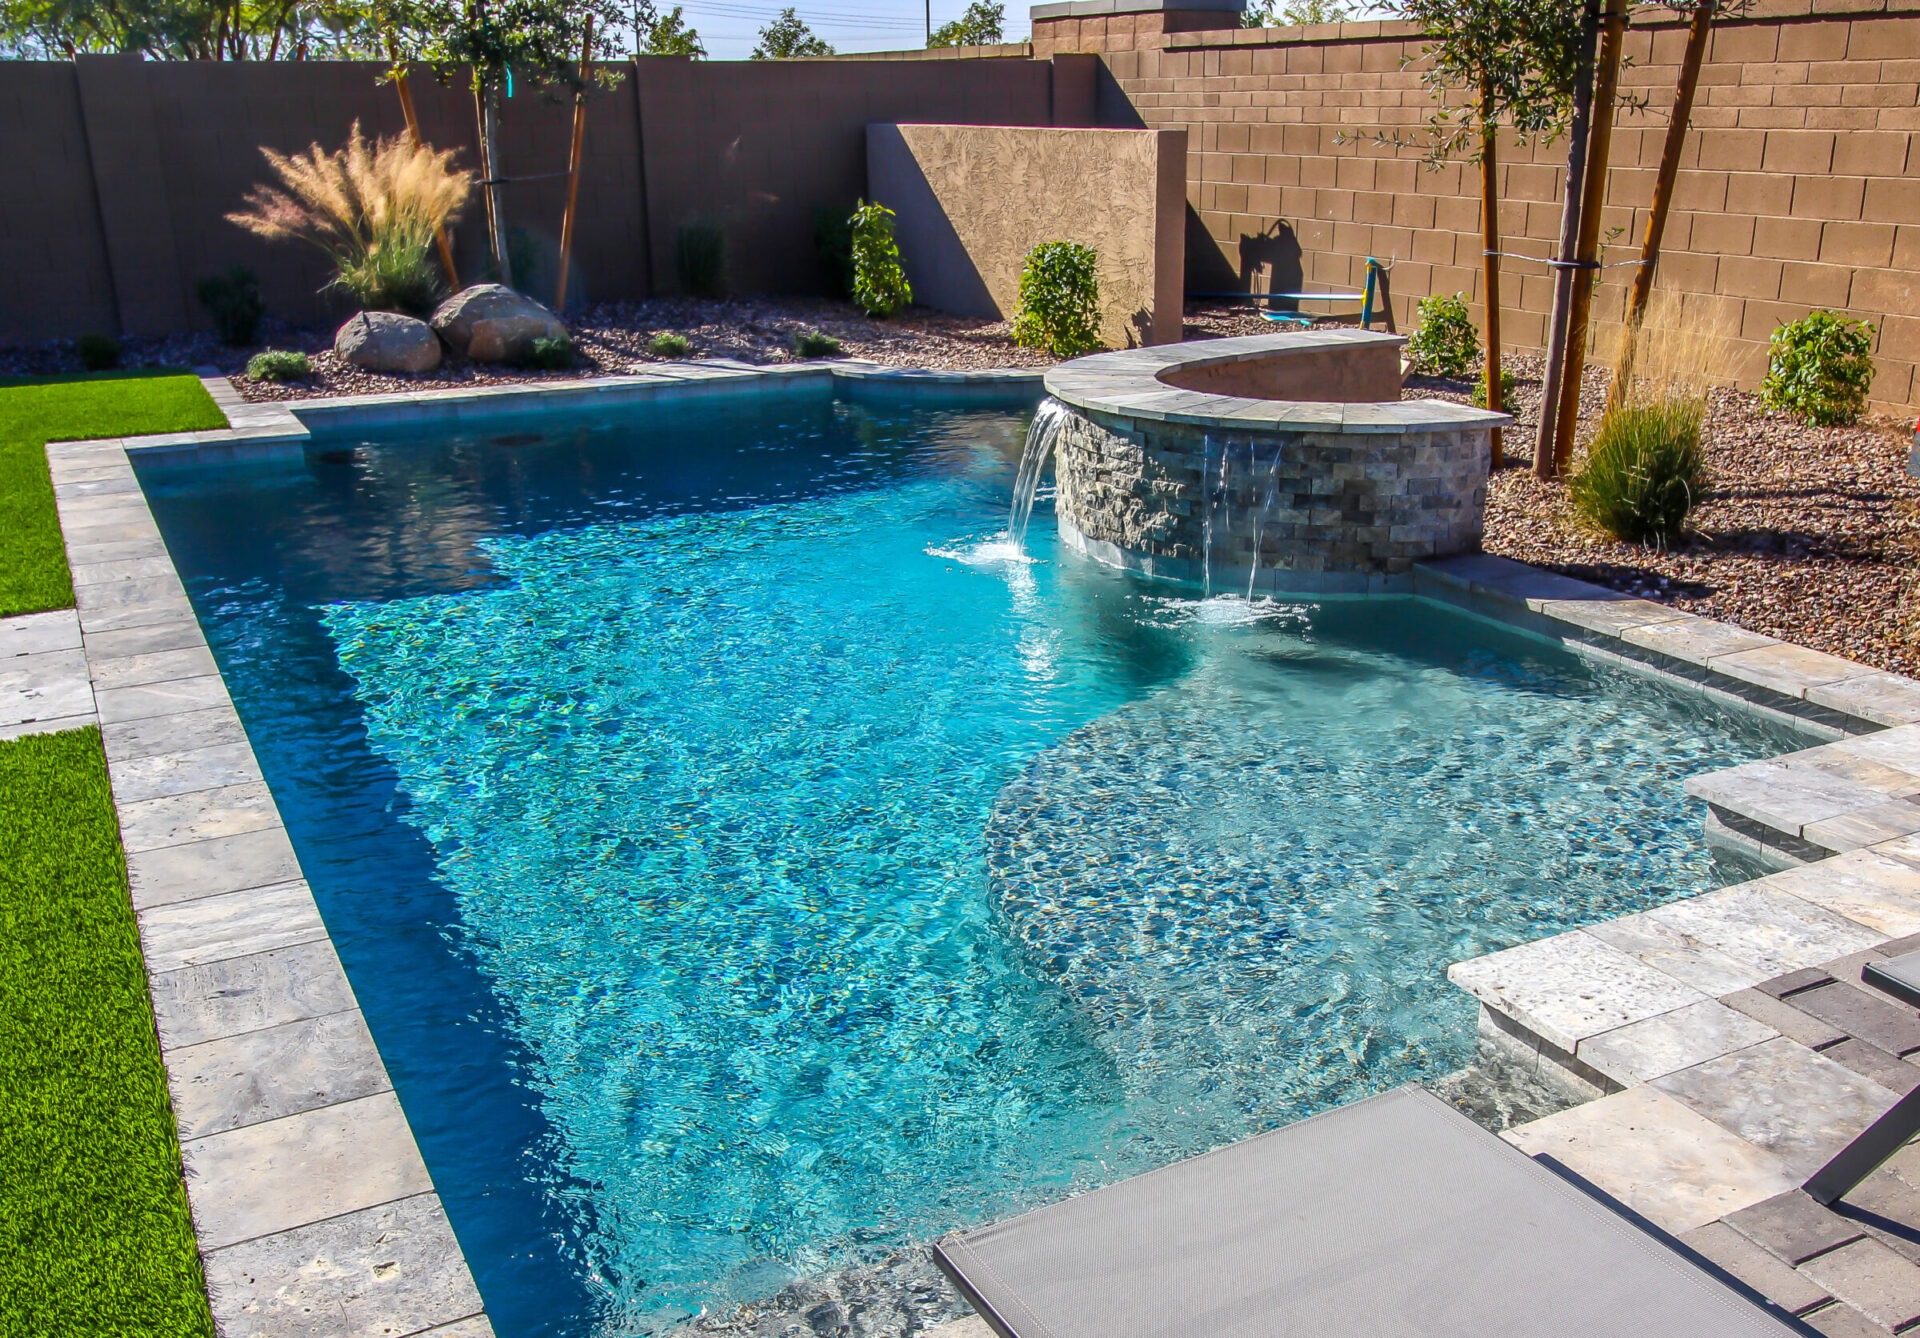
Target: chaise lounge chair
{"type": "Point", "coordinates": [1393, 1217]}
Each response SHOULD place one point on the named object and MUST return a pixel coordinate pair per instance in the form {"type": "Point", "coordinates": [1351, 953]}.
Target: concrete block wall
{"type": "Point", "coordinates": [1800, 186]}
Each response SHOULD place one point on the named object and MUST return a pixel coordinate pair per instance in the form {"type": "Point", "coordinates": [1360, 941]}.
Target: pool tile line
{"type": "Point", "coordinates": [315, 1212]}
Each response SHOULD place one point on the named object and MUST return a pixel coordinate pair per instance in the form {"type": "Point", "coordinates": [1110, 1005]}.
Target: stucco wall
{"type": "Point", "coordinates": [972, 202]}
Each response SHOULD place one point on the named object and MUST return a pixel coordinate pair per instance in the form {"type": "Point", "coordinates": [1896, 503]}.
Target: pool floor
{"type": "Point", "coordinates": [748, 863]}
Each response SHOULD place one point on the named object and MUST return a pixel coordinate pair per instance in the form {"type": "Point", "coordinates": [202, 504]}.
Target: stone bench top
{"type": "Point", "coordinates": [1129, 384]}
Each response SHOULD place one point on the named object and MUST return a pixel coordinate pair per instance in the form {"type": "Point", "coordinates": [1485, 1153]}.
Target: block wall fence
{"type": "Point", "coordinates": [1800, 187]}
{"type": "Point", "coordinates": [119, 171]}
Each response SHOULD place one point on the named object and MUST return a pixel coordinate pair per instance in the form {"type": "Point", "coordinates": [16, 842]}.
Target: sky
{"type": "Point", "coordinates": [730, 27]}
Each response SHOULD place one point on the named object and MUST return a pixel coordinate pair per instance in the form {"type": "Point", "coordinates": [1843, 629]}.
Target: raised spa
{"type": "Point", "coordinates": [1284, 463]}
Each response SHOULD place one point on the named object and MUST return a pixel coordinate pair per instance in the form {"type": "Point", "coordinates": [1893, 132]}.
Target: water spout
{"type": "Point", "coordinates": [1048, 419]}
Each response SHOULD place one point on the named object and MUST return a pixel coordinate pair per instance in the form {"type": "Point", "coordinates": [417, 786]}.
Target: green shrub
{"type": "Point", "coordinates": [1820, 368]}
{"type": "Point", "coordinates": [1508, 383]}
{"type": "Point", "coordinates": [550, 353]}
{"type": "Point", "coordinates": [97, 352]}
{"type": "Point", "coordinates": [700, 258]}
{"type": "Point", "coordinates": [670, 346]}
{"type": "Point", "coordinates": [815, 344]}
{"type": "Point", "coordinates": [279, 364]}
{"type": "Point", "coordinates": [880, 285]}
{"type": "Point", "coordinates": [1446, 342]}
{"type": "Point", "coordinates": [400, 279]}
{"type": "Point", "coordinates": [833, 240]}
{"type": "Point", "coordinates": [1644, 472]}
{"type": "Point", "coordinates": [233, 300]}
{"type": "Point", "coordinates": [1060, 300]}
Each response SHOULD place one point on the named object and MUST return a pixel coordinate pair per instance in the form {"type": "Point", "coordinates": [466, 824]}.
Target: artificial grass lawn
{"type": "Point", "coordinates": [33, 562]}
{"type": "Point", "coordinates": [95, 1239]}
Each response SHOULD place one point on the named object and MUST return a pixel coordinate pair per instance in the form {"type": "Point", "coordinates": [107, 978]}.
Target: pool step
{"type": "Point", "coordinates": [1847, 795]}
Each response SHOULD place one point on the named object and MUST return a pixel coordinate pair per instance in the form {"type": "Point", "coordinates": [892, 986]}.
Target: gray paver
{"type": "Point", "coordinates": [1572, 986]}
{"type": "Point", "coordinates": [165, 774]}
{"type": "Point", "coordinates": [128, 740]}
{"type": "Point", "coordinates": [1643, 1051]}
{"type": "Point", "coordinates": [22, 728]}
{"type": "Point", "coordinates": [37, 633]}
{"type": "Point", "coordinates": [1763, 931]}
{"type": "Point", "coordinates": [48, 685]}
{"type": "Point", "coordinates": [387, 1270]}
{"type": "Point", "coordinates": [1786, 798]}
{"type": "Point", "coordinates": [301, 1169]}
{"type": "Point", "coordinates": [1867, 1016]}
{"type": "Point", "coordinates": [1772, 1277]}
{"type": "Point", "coordinates": [240, 994]}
{"type": "Point", "coordinates": [1841, 1320]}
{"type": "Point", "coordinates": [1865, 886]}
{"type": "Point", "coordinates": [234, 924]}
{"type": "Point", "coordinates": [1788, 669]}
{"type": "Point", "coordinates": [1784, 1098]}
{"type": "Point", "coordinates": [263, 1075]}
{"type": "Point", "coordinates": [1867, 826]}
{"type": "Point", "coordinates": [208, 868]}
{"type": "Point", "coordinates": [1694, 640]}
{"type": "Point", "coordinates": [175, 697]}
{"type": "Point", "coordinates": [1871, 1278]}
{"type": "Point", "coordinates": [1885, 699]}
{"type": "Point", "coordinates": [1793, 1226]}
{"type": "Point", "coordinates": [159, 666]}
{"type": "Point", "coordinates": [145, 640]}
{"type": "Point", "coordinates": [175, 819]}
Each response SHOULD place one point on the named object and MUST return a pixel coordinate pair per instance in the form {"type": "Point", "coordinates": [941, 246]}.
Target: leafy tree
{"type": "Point", "coordinates": [187, 29]}
{"type": "Point", "coordinates": [657, 34]}
{"type": "Point", "coordinates": [536, 43]}
{"type": "Point", "coordinates": [786, 37]}
{"type": "Point", "coordinates": [982, 24]}
{"type": "Point", "coordinates": [1289, 13]}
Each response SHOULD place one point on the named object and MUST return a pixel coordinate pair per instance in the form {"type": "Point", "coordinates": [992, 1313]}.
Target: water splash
{"type": "Point", "coordinates": [1261, 517]}
{"type": "Point", "coordinates": [1048, 419]}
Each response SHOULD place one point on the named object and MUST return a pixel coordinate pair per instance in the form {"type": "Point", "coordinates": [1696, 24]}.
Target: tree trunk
{"type": "Point", "coordinates": [1563, 275]}
{"type": "Point", "coordinates": [1605, 94]}
{"type": "Point", "coordinates": [496, 188]}
{"type": "Point", "coordinates": [1490, 237]}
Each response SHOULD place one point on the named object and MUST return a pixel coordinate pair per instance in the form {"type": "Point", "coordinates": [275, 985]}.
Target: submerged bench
{"type": "Point", "coordinates": [1394, 1217]}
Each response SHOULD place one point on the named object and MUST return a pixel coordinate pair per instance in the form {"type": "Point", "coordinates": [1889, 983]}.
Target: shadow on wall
{"type": "Point", "coordinates": [1270, 261]}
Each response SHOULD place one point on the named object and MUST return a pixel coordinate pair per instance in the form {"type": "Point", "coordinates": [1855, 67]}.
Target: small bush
{"type": "Point", "coordinates": [233, 300]}
{"type": "Point", "coordinates": [1644, 472]}
{"type": "Point", "coordinates": [549, 354]}
{"type": "Point", "coordinates": [1446, 342]}
{"type": "Point", "coordinates": [1820, 368]}
{"type": "Point", "coordinates": [97, 352]}
{"type": "Point", "coordinates": [833, 240]}
{"type": "Point", "coordinates": [700, 258]}
{"type": "Point", "coordinates": [279, 364]}
{"type": "Point", "coordinates": [1508, 383]}
{"type": "Point", "coordinates": [880, 285]}
{"type": "Point", "coordinates": [815, 344]}
{"type": "Point", "coordinates": [1060, 300]}
{"type": "Point", "coordinates": [670, 346]}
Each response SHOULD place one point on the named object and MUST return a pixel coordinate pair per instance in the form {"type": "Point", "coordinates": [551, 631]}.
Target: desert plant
{"type": "Point", "coordinates": [550, 353]}
{"type": "Point", "coordinates": [700, 258]}
{"type": "Point", "coordinates": [97, 352]}
{"type": "Point", "coordinates": [833, 242]}
{"type": "Point", "coordinates": [1820, 368]}
{"type": "Point", "coordinates": [279, 364]}
{"type": "Point", "coordinates": [1680, 350]}
{"type": "Point", "coordinates": [815, 344]}
{"type": "Point", "coordinates": [1644, 472]}
{"type": "Point", "coordinates": [1446, 342]}
{"type": "Point", "coordinates": [233, 300]}
{"type": "Point", "coordinates": [1060, 300]}
{"type": "Point", "coordinates": [371, 208]}
{"type": "Point", "coordinates": [880, 286]}
{"type": "Point", "coordinates": [1508, 382]}
{"type": "Point", "coordinates": [670, 346]}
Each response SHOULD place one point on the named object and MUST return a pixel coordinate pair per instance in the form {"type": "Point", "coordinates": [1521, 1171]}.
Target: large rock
{"type": "Point", "coordinates": [489, 322]}
{"type": "Point", "coordinates": [386, 341]}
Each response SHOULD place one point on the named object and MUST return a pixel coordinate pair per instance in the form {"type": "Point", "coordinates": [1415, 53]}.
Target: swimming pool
{"type": "Point", "coordinates": [746, 864]}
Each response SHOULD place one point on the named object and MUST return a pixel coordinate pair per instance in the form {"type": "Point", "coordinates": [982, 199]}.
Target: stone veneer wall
{"type": "Point", "coordinates": [1305, 512]}
{"type": "Point", "coordinates": [1800, 186]}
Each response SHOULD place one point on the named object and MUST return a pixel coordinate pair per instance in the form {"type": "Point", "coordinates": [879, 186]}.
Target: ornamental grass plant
{"type": "Point", "coordinates": [371, 208]}
{"type": "Point", "coordinates": [1646, 469]}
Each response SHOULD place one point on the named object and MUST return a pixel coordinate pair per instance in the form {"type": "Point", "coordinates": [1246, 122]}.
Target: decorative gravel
{"type": "Point", "coordinates": [1809, 534]}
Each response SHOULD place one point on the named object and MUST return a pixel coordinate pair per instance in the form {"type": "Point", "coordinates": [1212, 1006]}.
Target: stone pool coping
{"type": "Point", "coordinates": [315, 1212]}
{"type": "Point", "coordinates": [1126, 385]}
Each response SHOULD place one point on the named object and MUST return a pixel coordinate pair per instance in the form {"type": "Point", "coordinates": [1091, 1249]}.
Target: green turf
{"type": "Point", "coordinates": [33, 563]}
{"type": "Point", "coordinates": [95, 1239]}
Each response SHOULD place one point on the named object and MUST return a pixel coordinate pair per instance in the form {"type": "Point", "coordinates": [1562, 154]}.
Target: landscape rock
{"type": "Point", "coordinates": [386, 341]}
{"type": "Point", "coordinates": [489, 322]}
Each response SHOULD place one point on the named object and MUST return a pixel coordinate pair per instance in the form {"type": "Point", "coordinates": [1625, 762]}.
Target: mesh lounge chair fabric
{"type": "Point", "coordinates": [1394, 1217]}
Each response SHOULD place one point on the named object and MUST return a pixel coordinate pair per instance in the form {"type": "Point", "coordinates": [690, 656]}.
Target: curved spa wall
{"type": "Point", "coordinates": [1184, 461]}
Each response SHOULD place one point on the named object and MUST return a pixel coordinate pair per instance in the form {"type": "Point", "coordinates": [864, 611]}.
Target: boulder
{"type": "Point", "coordinates": [489, 322]}
{"type": "Point", "coordinates": [386, 341]}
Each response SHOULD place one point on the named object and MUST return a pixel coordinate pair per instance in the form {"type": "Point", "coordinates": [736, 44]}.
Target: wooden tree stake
{"type": "Point", "coordinates": [1490, 236]}
{"type": "Point", "coordinates": [573, 168]}
{"type": "Point", "coordinates": [1578, 137]}
{"type": "Point", "coordinates": [413, 133]}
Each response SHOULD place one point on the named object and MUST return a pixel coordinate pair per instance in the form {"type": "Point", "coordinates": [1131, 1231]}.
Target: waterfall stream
{"type": "Point", "coordinates": [1048, 419]}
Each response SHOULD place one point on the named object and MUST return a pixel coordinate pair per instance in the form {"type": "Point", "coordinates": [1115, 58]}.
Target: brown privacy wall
{"type": "Point", "coordinates": [120, 171]}
{"type": "Point", "coordinates": [972, 202]}
{"type": "Point", "coordinates": [1800, 188]}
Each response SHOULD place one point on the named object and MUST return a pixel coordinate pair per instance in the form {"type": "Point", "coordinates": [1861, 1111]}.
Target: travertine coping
{"type": "Point", "coordinates": [1130, 385]}
{"type": "Point", "coordinates": [315, 1213]}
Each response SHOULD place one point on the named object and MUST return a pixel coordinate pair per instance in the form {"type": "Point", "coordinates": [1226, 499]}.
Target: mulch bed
{"type": "Point", "coordinates": [1809, 534]}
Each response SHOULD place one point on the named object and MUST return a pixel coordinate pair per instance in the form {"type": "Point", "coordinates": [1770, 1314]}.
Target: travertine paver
{"type": "Point", "coordinates": [43, 675]}
{"type": "Point", "coordinates": [1643, 1051]}
{"type": "Point", "coordinates": [1694, 640]}
{"type": "Point", "coordinates": [1758, 929]}
{"type": "Point", "coordinates": [1571, 986]}
{"type": "Point", "coordinates": [315, 1212]}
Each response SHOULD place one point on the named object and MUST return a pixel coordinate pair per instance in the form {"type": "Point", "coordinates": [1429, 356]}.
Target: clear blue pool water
{"type": "Point", "coordinates": [747, 866]}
